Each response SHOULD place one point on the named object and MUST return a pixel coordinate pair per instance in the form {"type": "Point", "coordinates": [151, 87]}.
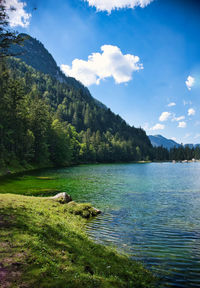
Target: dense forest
{"type": "Point", "coordinates": [46, 121]}
{"type": "Point", "coordinates": [47, 118]}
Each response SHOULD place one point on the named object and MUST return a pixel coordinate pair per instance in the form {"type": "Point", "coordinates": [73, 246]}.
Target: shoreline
{"type": "Point", "coordinates": [44, 244]}
{"type": "Point", "coordinates": [11, 171]}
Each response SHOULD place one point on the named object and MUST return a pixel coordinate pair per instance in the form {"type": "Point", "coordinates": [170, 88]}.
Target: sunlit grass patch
{"type": "Point", "coordinates": [49, 244]}
{"type": "Point", "coordinates": [45, 178]}
{"type": "Point", "coordinates": [42, 192]}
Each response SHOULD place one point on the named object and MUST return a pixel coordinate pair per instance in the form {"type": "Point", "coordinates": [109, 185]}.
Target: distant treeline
{"type": "Point", "coordinates": [177, 153]}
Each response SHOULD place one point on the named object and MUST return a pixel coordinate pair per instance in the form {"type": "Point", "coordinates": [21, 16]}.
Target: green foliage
{"type": "Point", "coordinates": [85, 210]}
{"type": "Point", "coordinates": [60, 144]}
{"type": "Point", "coordinates": [50, 119]}
{"type": "Point", "coordinates": [43, 244]}
{"type": "Point", "coordinates": [44, 121]}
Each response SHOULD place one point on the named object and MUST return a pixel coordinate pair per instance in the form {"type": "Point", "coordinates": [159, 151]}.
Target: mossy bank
{"type": "Point", "coordinates": [43, 244]}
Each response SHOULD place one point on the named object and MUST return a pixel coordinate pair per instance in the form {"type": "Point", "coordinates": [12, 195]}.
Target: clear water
{"type": "Point", "coordinates": [150, 211]}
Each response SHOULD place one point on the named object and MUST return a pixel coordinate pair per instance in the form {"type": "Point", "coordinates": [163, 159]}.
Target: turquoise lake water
{"type": "Point", "coordinates": [150, 211]}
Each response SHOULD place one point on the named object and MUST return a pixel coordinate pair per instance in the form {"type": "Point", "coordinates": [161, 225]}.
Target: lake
{"type": "Point", "coordinates": [150, 211]}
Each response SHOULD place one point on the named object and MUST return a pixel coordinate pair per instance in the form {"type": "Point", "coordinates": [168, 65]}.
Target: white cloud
{"type": "Point", "coordinates": [182, 124]}
{"type": "Point", "coordinates": [178, 118]}
{"type": "Point", "coordinates": [173, 138]}
{"type": "Point", "coordinates": [158, 126]}
{"type": "Point", "coordinates": [191, 112]}
{"type": "Point", "coordinates": [109, 5]}
{"type": "Point", "coordinates": [164, 116]}
{"type": "Point", "coordinates": [171, 104]}
{"type": "Point", "coordinates": [17, 14]}
{"type": "Point", "coordinates": [190, 82]}
{"type": "Point", "coordinates": [110, 63]}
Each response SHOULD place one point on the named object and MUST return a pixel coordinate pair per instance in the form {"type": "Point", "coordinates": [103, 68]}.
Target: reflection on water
{"type": "Point", "coordinates": [150, 211]}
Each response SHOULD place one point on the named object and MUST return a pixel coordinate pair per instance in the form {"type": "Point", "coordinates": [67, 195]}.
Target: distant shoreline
{"type": "Point", "coordinates": [11, 171]}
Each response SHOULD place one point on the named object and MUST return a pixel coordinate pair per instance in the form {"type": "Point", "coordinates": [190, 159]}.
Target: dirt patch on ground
{"type": "Point", "coordinates": [8, 275]}
{"type": "Point", "coordinates": [12, 257]}
{"type": "Point", "coordinates": [11, 265]}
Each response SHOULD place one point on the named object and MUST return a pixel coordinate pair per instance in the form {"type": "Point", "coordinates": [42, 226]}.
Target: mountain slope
{"type": "Point", "coordinates": [58, 121]}
{"type": "Point", "coordinates": [159, 140]}
{"type": "Point", "coordinates": [34, 54]}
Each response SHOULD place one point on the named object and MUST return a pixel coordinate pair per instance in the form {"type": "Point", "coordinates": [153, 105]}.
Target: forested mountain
{"type": "Point", "coordinates": [159, 140]}
{"type": "Point", "coordinates": [45, 119]}
{"type": "Point", "coordinates": [34, 54]}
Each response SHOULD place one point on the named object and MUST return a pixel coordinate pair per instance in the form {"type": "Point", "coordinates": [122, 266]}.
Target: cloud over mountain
{"type": "Point", "coordinates": [158, 126]}
{"type": "Point", "coordinates": [110, 63]}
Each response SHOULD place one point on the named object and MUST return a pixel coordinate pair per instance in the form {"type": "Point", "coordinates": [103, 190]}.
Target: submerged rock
{"type": "Point", "coordinates": [62, 197]}
{"type": "Point", "coordinates": [96, 211]}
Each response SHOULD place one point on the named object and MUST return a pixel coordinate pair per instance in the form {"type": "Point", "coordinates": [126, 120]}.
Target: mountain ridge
{"type": "Point", "coordinates": [34, 54]}
{"type": "Point", "coordinates": [159, 140]}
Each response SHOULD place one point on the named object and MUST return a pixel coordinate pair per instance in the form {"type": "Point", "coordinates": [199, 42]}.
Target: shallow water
{"type": "Point", "coordinates": [150, 211]}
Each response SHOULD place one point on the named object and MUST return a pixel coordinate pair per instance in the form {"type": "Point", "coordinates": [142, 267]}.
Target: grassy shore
{"type": "Point", "coordinates": [43, 244]}
{"type": "Point", "coordinates": [17, 168]}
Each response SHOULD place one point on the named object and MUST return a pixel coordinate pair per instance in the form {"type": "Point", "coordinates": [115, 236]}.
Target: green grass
{"type": "Point", "coordinates": [45, 178]}
{"type": "Point", "coordinates": [15, 167]}
{"type": "Point", "coordinates": [29, 185]}
{"type": "Point", "coordinates": [43, 244]}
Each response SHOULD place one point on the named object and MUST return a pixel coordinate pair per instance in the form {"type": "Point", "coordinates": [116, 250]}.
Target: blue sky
{"type": "Point", "coordinates": [139, 57]}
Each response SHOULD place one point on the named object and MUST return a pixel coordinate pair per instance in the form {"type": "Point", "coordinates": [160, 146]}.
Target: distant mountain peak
{"type": "Point", "coordinates": [158, 136]}
{"type": "Point", "coordinates": [159, 140]}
